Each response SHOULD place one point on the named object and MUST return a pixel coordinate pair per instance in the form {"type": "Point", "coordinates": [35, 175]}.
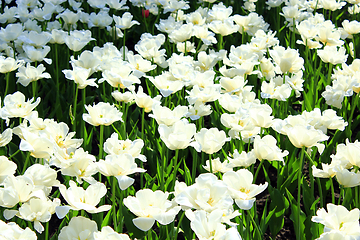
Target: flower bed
{"type": "Point", "coordinates": [179, 120]}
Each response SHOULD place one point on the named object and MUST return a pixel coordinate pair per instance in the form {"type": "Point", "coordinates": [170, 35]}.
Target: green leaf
{"type": "Point", "coordinates": [149, 180]}
{"type": "Point", "coordinates": [288, 181]}
{"type": "Point", "coordinates": [349, 198]}
{"type": "Point", "coordinates": [308, 198]}
{"type": "Point", "coordinates": [185, 226]}
{"type": "Point", "coordinates": [88, 138]}
{"type": "Point", "coordinates": [168, 181]}
{"type": "Point", "coordinates": [295, 211]}
{"type": "Point", "coordinates": [187, 174]}
{"type": "Point", "coordinates": [276, 210]}
{"type": "Point", "coordinates": [264, 221]}
{"type": "Point", "coordinates": [3, 151]}
{"type": "Point", "coordinates": [107, 218]}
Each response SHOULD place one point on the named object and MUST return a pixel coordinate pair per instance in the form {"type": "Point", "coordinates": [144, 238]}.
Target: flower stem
{"type": "Point", "coordinates": [34, 89]}
{"type": "Point", "coordinates": [258, 170]}
{"type": "Point", "coordinates": [179, 223]}
{"type": "Point", "coordinates": [332, 191]}
{"type": "Point", "coordinates": [194, 165]}
{"type": "Point", "coordinates": [175, 166]}
{"type": "Point", "coordinates": [26, 162]}
{"type": "Point", "coordinates": [124, 40]}
{"type": "Point", "coordinates": [47, 230]}
{"type": "Point", "coordinates": [14, 154]}
{"type": "Point", "coordinates": [75, 105]}
{"type": "Point", "coordinates": [101, 146]}
{"type": "Point", "coordinates": [7, 77]}
{"type": "Point", "coordinates": [299, 189]}
{"type": "Point", "coordinates": [142, 137]}
{"type": "Point", "coordinates": [83, 110]}
{"type": "Point", "coordinates": [101, 141]}
{"type": "Point", "coordinates": [114, 203]}
{"type": "Point", "coordinates": [328, 82]}
{"type": "Point", "coordinates": [349, 120]}
{"type": "Point", "coordinates": [357, 196]}
{"type": "Point", "coordinates": [210, 163]}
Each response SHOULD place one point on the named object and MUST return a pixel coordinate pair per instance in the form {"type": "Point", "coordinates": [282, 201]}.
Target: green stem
{"type": "Point", "coordinates": [293, 35]}
{"type": "Point", "coordinates": [258, 170]}
{"type": "Point", "coordinates": [121, 221]}
{"type": "Point", "coordinates": [162, 183]}
{"type": "Point", "coordinates": [124, 45]}
{"type": "Point", "coordinates": [83, 110]}
{"type": "Point", "coordinates": [328, 82]}
{"type": "Point", "coordinates": [299, 189]}
{"type": "Point", "coordinates": [113, 187]}
{"type": "Point", "coordinates": [357, 196]}
{"type": "Point", "coordinates": [320, 192]}
{"type": "Point", "coordinates": [210, 163]}
{"type": "Point", "coordinates": [58, 105]}
{"type": "Point", "coordinates": [354, 46]}
{"type": "Point", "coordinates": [312, 163]}
{"type": "Point", "coordinates": [7, 77]}
{"type": "Point", "coordinates": [26, 162]}
{"type": "Point", "coordinates": [341, 194]}
{"type": "Point", "coordinates": [47, 230]}
{"type": "Point", "coordinates": [14, 154]}
{"type": "Point", "coordinates": [185, 49]}
{"type": "Point", "coordinates": [13, 45]}
{"type": "Point", "coordinates": [243, 36]}
{"type": "Point", "coordinates": [142, 137]}
{"type": "Point", "coordinates": [75, 106]}
{"type": "Point", "coordinates": [34, 87]}
{"type": "Point", "coordinates": [179, 223]}
{"type": "Point", "coordinates": [175, 166]}
{"type": "Point", "coordinates": [195, 160]}
{"type": "Point", "coordinates": [332, 191]}
{"type": "Point", "coordinates": [349, 120]}
{"type": "Point", "coordinates": [255, 224]}
{"type": "Point", "coordinates": [101, 142]}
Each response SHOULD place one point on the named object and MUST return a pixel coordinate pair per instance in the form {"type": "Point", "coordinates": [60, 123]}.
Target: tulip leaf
{"type": "Point", "coordinates": [264, 221]}
{"type": "Point", "coordinates": [295, 211]}
{"type": "Point", "coordinates": [88, 138]}
{"type": "Point", "coordinates": [288, 181]}
{"type": "Point", "coordinates": [3, 151]}
{"type": "Point", "coordinates": [134, 128]}
{"type": "Point", "coordinates": [308, 198]}
{"type": "Point", "coordinates": [187, 175]}
{"type": "Point", "coordinates": [276, 210]}
{"type": "Point", "coordinates": [107, 218]}
{"type": "Point", "coordinates": [168, 180]}
{"type": "Point", "coordinates": [349, 198]}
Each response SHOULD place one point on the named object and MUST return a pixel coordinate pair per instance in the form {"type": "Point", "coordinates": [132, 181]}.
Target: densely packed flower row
{"type": "Point", "coordinates": [171, 128]}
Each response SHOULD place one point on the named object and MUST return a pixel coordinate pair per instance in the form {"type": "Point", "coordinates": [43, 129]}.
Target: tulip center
{"type": "Point", "coordinates": [210, 201]}
{"type": "Point", "coordinates": [244, 190]}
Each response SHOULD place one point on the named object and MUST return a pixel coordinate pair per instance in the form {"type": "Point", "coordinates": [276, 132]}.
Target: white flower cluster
{"type": "Point", "coordinates": [53, 145]}
{"type": "Point", "coordinates": [81, 227]}
{"type": "Point", "coordinates": [344, 165]}
{"type": "Point", "coordinates": [339, 223]}
{"type": "Point", "coordinates": [208, 204]}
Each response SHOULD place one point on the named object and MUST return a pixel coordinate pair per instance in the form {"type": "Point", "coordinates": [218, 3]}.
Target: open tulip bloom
{"type": "Point", "coordinates": [150, 206]}
{"type": "Point", "coordinates": [102, 114]}
{"type": "Point", "coordinates": [80, 199]}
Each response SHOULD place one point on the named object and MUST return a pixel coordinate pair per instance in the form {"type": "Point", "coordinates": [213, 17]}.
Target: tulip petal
{"type": "Point", "coordinates": [143, 223]}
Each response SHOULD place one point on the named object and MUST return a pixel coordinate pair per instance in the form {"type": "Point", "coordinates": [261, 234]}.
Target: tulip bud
{"type": "Point", "coordinates": [145, 13]}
